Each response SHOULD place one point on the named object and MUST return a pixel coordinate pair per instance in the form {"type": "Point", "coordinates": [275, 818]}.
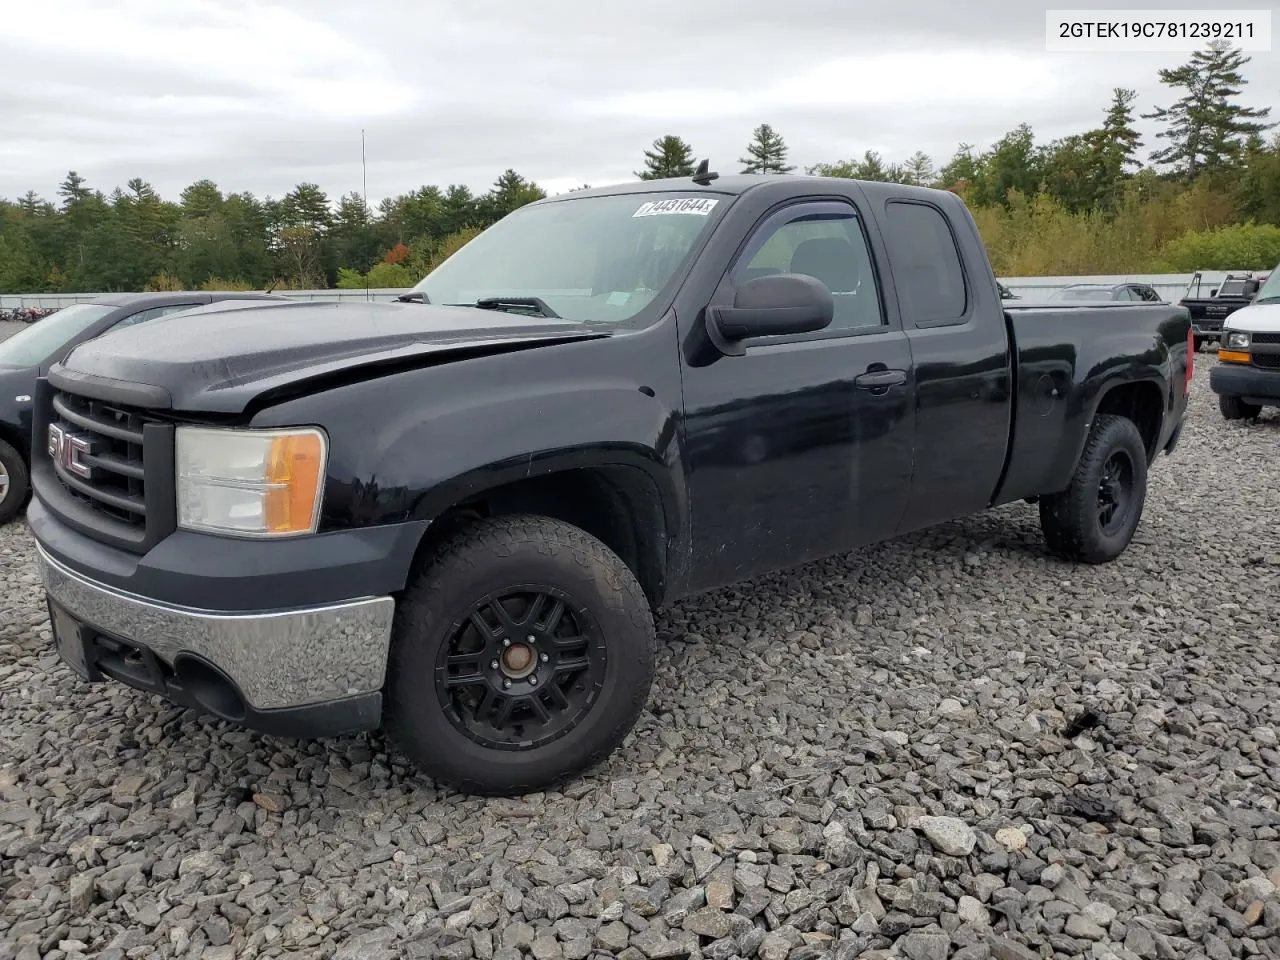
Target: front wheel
{"type": "Point", "coordinates": [1093, 520]}
{"type": "Point", "coordinates": [14, 482]}
{"type": "Point", "coordinates": [1233, 408]}
{"type": "Point", "coordinates": [522, 656]}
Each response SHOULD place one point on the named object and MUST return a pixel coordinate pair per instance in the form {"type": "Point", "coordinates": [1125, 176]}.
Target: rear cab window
{"type": "Point", "coordinates": [927, 268]}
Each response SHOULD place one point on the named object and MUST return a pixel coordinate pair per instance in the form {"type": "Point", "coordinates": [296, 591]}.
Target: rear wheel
{"type": "Point", "coordinates": [1093, 520]}
{"type": "Point", "coordinates": [1233, 408]}
{"type": "Point", "coordinates": [522, 656]}
{"type": "Point", "coordinates": [15, 482]}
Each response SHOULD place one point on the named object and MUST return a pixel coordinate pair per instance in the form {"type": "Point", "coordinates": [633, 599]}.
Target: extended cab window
{"type": "Point", "coordinates": [926, 263]}
{"type": "Point", "coordinates": [828, 246]}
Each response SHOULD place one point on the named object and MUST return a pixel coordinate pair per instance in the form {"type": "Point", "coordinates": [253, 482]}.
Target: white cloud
{"type": "Point", "coordinates": [263, 94]}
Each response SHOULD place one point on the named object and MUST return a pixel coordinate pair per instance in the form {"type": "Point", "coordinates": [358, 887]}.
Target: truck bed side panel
{"type": "Point", "coordinates": [1068, 360]}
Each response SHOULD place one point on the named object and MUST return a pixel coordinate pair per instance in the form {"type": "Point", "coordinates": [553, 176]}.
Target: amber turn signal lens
{"type": "Point", "coordinates": [1233, 356]}
{"type": "Point", "coordinates": [294, 474]}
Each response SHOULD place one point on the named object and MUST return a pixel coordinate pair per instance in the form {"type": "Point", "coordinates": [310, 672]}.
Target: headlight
{"type": "Point", "coordinates": [1237, 340]}
{"type": "Point", "coordinates": [250, 483]}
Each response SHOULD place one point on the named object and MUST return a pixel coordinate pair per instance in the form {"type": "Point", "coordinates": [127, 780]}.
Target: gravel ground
{"type": "Point", "coordinates": [866, 757]}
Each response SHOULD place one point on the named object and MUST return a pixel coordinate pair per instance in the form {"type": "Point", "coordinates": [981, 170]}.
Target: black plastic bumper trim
{"type": "Point", "coordinates": [1246, 382]}
{"type": "Point", "coordinates": [206, 572]}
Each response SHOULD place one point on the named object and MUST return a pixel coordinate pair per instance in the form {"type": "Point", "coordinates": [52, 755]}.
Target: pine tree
{"type": "Point", "coordinates": [1206, 129]}
{"type": "Point", "coordinates": [1113, 150]}
{"type": "Point", "coordinates": [1119, 141]}
{"type": "Point", "coordinates": [670, 157]}
{"type": "Point", "coordinates": [919, 169]}
{"type": "Point", "coordinates": [766, 153]}
{"type": "Point", "coordinates": [73, 189]}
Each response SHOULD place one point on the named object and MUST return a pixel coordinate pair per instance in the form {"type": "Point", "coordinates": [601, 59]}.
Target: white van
{"type": "Point", "coordinates": [1248, 378]}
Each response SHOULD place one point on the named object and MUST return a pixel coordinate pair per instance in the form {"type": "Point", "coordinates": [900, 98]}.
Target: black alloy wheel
{"type": "Point", "coordinates": [522, 654]}
{"type": "Point", "coordinates": [1115, 492]}
{"type": "Point", "coordinates": [522, 669]}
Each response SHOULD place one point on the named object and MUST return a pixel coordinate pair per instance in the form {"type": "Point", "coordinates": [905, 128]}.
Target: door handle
{"type": "Point", "coordinates": [880, 379]}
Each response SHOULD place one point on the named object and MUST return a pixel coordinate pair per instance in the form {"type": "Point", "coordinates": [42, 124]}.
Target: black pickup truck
{"type": "Point", "coordinates": [456, 516]}
{"type": "Point", "coordinates": [1209, 313]}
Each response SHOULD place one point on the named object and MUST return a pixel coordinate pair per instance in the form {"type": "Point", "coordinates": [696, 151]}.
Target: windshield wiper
{"type": "Point", "coordinates": [417, 296]}
{"type": "Point", "coordinates": [517, 303]}
{"type": "Point", "coordinates": [1270, 299]}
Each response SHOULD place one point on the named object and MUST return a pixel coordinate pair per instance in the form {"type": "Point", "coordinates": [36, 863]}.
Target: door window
{"type": "Point", "coordinates": [828, 246]}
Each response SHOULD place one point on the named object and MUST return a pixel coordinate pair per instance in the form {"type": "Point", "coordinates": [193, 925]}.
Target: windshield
{"type": "Point", "coordinates": [1231, 288]}
{"type": "Point", "coordinates": [599, 259]}
{"type": "Point", "coordinates": [38, 342]}
{"type": "Point", "coordinates": [1270, 290]}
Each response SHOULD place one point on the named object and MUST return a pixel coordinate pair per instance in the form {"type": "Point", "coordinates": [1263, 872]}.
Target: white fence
{"type": "Point", "coordinates": [1171, 286]}
{"type": "Point", "coordinates": [62, 299]}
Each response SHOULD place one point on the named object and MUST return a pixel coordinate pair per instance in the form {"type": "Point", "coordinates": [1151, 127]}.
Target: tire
{"type": "Point", "coordinates": [434, 724]}
{"type": "Point", "coordinates": [1076, 523]}
{"type": "Point", "coordinates": [1233, 408]}
{"type": "Point", "coordinates": [15, 482]}
{"type": "Point", "coordinates": [1199, 341]}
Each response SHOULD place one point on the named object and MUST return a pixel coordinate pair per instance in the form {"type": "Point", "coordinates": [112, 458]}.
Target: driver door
{"type": "Point", "coordinates": [802, 446]}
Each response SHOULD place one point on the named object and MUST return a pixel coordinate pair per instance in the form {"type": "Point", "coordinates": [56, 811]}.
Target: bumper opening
{"type": "Point", "coordinates": [210, 687]}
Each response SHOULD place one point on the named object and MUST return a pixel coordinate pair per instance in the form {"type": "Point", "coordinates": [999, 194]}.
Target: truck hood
{"type": "Point", "coordinates": [217, 360]}
{"type": "Point", "coordinates": [1255, 318]}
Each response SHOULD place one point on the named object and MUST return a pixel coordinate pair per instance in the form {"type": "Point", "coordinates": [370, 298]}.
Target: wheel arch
{"type": "Point", "coordinates": [1141, 401]}
{"type": "Point", "coordinates": [618, 501]}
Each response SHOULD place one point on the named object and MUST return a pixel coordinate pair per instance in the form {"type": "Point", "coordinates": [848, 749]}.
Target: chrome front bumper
{"type": "Point", "coordinates": [279, 660]}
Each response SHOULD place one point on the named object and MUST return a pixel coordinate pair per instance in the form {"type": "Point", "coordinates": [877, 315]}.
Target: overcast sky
{"type": "Point", "coordinates": [262, 94]}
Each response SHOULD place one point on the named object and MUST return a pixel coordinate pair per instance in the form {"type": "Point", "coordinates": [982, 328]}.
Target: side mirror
{"type": "Point", "coordinates": [772, 306]}
{"type": "Point", "coordinates": [1251, 288]}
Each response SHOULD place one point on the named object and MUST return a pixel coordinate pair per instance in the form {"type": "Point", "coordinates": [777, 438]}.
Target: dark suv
{"type": "Point", "coordinates": [29, 353]}
{"type": "Point", "coordinates": [1142, 292]}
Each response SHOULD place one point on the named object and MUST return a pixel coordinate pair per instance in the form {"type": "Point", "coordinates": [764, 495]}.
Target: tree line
{"type": "Point", "coordinates": [1207, 196]}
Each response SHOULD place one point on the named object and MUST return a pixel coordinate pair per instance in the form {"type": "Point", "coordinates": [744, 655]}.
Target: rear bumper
{"type": "Point", "coordinates": [1248, 383]}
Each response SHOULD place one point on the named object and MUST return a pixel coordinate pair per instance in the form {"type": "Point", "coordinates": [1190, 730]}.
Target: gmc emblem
{"type": "Point", "coordinates": [68, 451]}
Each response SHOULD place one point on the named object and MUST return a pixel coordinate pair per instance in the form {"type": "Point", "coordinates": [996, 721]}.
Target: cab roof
{"type": "Point", "coordinates": [734, 184]}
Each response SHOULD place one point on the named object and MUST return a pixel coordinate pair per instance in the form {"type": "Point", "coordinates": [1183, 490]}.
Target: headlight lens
{"type": "Point", "coordinates": [1237, 340]}
{"type": "Point", "coordinates": [252, 483]}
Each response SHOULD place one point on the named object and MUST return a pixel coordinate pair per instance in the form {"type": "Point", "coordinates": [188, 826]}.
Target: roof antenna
{"type": "Point", "coordinates": [704, 174]}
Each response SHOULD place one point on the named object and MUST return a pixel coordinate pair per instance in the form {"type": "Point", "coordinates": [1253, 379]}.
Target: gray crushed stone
{"type": "Point", "coordinates": [859, 758]}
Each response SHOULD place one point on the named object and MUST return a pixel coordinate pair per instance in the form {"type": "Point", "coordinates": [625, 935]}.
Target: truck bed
{"type": "Point", "coordinates": [1064, 359]}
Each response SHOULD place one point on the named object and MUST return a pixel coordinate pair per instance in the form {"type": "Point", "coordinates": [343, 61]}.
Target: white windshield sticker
{"type": "Point", "coordinates": [697, 206]}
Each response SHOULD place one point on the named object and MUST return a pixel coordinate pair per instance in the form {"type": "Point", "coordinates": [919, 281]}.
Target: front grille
{"type": "Point", "coordinates": [1270, 361]}
{"type": "Point", "coordinates": [107, 467]}
{"type": "Point", "coordinates": [1265, 337]}
{"type": "Point", "coordinates": [111, 449]}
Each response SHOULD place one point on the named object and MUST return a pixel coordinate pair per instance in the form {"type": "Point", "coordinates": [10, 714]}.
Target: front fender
{"type": "Point", "coordinates": [410, 445]}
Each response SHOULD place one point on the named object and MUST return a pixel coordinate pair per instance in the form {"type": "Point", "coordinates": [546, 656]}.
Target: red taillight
{"type": "Point", "coordinates": [1191, 361]}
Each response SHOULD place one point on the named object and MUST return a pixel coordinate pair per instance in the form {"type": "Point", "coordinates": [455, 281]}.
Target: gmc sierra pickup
{"type": "Point", "coordinates": [455, 516]}
{"type": "Point", "coordinates": [1209, 313]}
